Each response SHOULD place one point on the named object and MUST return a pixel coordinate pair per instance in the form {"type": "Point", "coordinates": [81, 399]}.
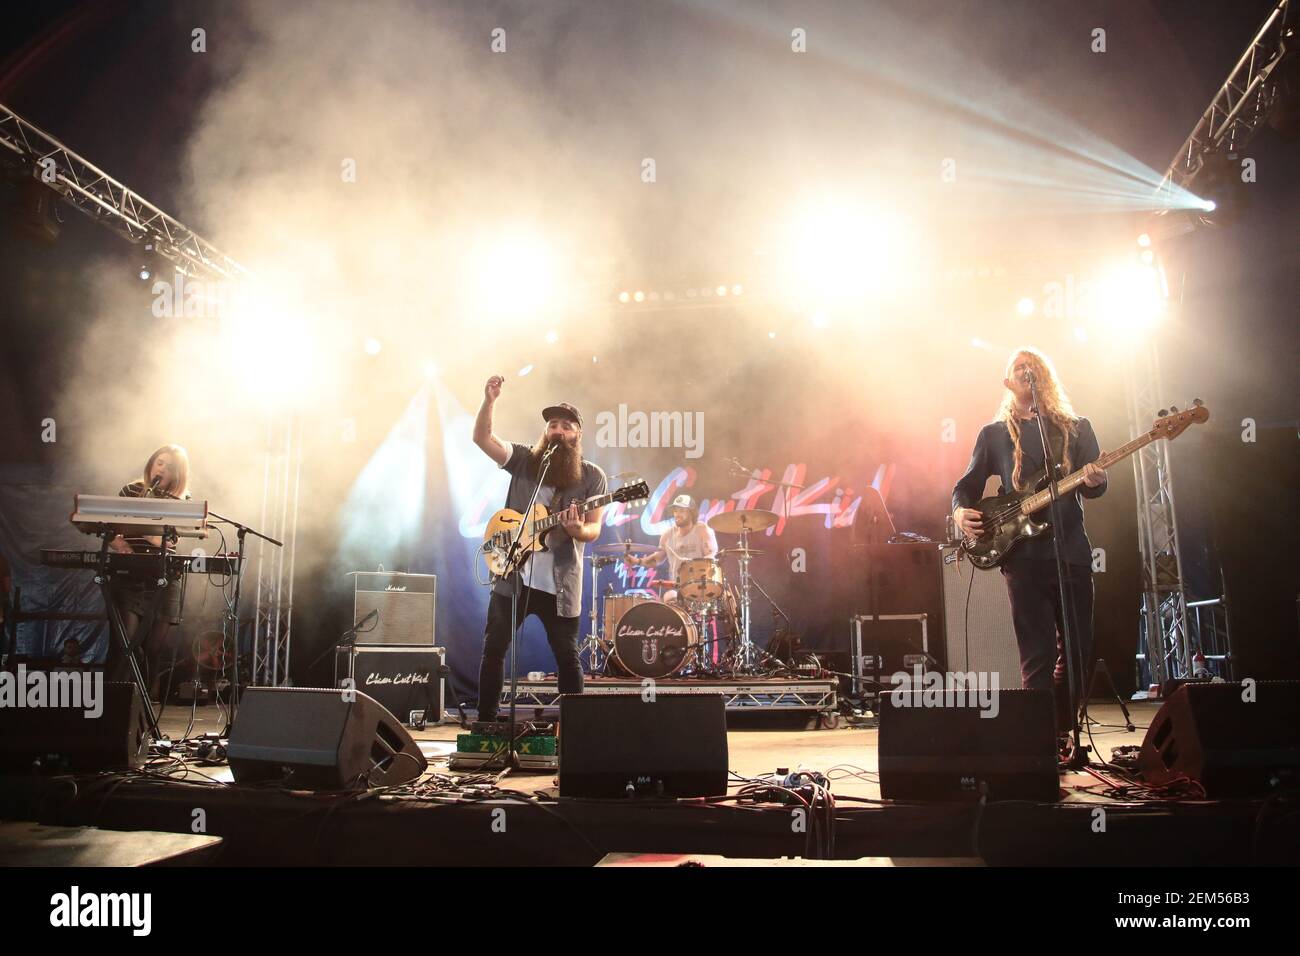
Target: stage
{"type": "Point", "coordinates": [522, 821]}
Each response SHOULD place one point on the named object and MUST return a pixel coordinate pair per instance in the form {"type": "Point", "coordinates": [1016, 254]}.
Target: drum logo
{"type": "Point", "coordinates": [649, 650]}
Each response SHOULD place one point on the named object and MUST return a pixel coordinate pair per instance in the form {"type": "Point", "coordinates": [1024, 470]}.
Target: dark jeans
{"type": "Point", "coordinates": [1036, 615]}
{"type": "Point", "coordinates": [561, 634]}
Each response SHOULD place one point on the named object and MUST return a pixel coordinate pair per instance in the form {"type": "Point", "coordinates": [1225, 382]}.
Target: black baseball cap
{"type": "Point", "coordinates": [562, 410]}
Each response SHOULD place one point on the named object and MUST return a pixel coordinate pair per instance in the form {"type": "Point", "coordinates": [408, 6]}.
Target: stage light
{"type": "Point", "coordinates": [721, 290]}
{"type": "Point", "coordinates": [737, 289]}
{"type": "Point", "coordinates": [1080, 333]}
{"type": "Point", "coordinates": [819, 320]}
{"type": "Point", "coordinates": [1128, 300]}
{"type": "Point", "coordinates": [593, 360]}
{"type": "Point", "coordinates": [625, 297]}
{"type": "Point", "coordinates": [430, 369]}
{"type": "Point", "coordinates": [552, 337]}
{"type": "Point", "coordinates": [1209, 205]}
{"type": "Point", "coordinates": [144, 273]}
{"type": "Point", "coordinates": [771, 335]}
{"type": "Point", "coordinates": [525, 370]}
{"type": "Point", "coordinates": [512, 272]}
{"type": "Point", "coordinates": [373, 346]}
{"type": "Point", "coordinates": [1025, 306]}
{"type": "Point", "coordinates": [1144, 240]}
{"type": "Point", "coordinates": [638, 295]}
{"type": "Point", "coordinates": [840, 253]}
{"type": "Point", "coordinates": [1147, 256]}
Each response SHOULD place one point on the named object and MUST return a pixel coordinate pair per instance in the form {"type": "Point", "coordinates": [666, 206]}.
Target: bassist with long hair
{"type": "Point", "coordinates": [1010, 447]}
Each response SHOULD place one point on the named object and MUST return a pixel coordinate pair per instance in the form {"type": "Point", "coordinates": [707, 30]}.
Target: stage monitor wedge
{"type": "Point", "coordinates": [317, 738]}
{"type": "Point", "coordinates": [947, 747]}
{"type": "Point", "coordinates": [621, 745]}
{"type": "Point", "coordinates": [75, 739]}
{"type": "Point", "coordinates": [1235, 740]}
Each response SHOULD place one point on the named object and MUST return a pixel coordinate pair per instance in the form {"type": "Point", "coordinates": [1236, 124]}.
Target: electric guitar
{"type": "Point", "coordinates": [503, 529]}
{"type": "Point", "coordinates": [1008, 519]}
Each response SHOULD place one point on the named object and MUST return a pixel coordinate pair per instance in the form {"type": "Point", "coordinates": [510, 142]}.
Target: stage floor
{"type": "Point", "coordinates": [758, 743]}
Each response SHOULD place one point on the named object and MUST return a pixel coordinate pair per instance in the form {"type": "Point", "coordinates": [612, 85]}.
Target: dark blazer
{"type": "Point", "coordinates": [994, 454]}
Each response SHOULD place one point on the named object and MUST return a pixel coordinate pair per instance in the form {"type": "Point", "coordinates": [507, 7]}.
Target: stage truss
{"type": "Point", "coordinates": [740, 696]}
{"type": "Point", "coordinates": [95, 194]}
{"type": "Point", "coordinates": [1240, 106]}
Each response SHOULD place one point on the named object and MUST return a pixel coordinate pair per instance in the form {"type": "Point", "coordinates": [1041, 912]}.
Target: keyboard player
{"type": "Point", "coordinates": [148, 611]}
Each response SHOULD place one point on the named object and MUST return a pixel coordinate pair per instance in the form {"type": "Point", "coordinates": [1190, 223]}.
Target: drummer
{"type": "Point", "coordinates": [686, 540]}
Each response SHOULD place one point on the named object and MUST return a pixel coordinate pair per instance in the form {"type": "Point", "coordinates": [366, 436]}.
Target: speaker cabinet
{"type": "Point", "coordinates": [1230, 746]}
{"type": "Point", "coordinates": [939, 748]}
{"type": "Point", "coordinates": [408, 681]}
{"type": "Point", "coordinates": [406, 604]}
{"type": "Point", "coordinates": [618, 745]}
{"type": "Point", "coordinates": [62, 739]}
{"type": "Point", "coordinates": [312, 738]}
{"type": "Point", "coordinates": [987, 630]}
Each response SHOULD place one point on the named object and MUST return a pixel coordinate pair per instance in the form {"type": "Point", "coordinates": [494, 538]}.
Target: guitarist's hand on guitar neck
{"type": "Point", "coordinates": [571, 521]}
{"type": "Point", "coordinates": [1093, 475]}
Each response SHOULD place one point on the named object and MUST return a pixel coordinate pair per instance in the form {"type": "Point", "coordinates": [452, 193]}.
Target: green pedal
{"type": "Point", "coordinates": [485, 744]}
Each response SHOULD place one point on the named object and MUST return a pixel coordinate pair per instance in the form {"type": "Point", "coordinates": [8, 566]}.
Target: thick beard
{"type": "Point", "coordinates": [566, 463]}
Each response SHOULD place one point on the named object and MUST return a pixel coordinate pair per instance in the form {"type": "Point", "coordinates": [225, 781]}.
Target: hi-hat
{"type": "Point", "coordinates": [624, 547]}
{"type": "Point", "coordinates": [736, 522]}
{"type": "Point", "coordinates": [743, 552]}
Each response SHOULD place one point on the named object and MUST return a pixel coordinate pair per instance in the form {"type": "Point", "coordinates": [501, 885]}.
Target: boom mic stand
{"type": "Point", "coordinates": [1068, 636]}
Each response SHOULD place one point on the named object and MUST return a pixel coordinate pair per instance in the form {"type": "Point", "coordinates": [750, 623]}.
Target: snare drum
{"type": "Point", "coordinates": [700, 579]}
{"type": "Point", "coordinates": [616, 605]}
{"type": "Point", "coordinates": [654, 639]}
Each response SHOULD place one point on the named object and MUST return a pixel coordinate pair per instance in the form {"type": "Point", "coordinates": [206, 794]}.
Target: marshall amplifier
{"type": "Point", "coordinates": [408, 681]}
{"type": "Point", "coordinates": [405, 602]}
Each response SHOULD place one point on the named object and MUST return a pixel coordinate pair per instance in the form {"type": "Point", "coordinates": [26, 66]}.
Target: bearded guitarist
{"type": "Point", "coordinates": [550, 584]}
{"type": "Point", "coordinates": [1011, 447]}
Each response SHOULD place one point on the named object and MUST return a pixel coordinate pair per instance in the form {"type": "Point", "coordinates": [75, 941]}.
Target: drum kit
{"type": "Point", "coordinates": [698, 626]}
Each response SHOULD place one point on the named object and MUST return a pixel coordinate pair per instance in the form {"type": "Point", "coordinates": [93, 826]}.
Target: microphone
{"type": "Point", "coordinates": [153, 486]}
{"type": "Point", "coordinates": [550, 449]}
{"type": "Point", "coordinates": [1029, 377]}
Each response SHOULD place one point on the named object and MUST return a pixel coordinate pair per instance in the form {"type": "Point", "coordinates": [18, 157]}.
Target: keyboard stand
{"type": "Point", "coordinates": [117, 631]}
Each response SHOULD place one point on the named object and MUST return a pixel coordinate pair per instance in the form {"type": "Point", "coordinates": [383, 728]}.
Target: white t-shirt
{"type": "Point", "coordinates": [696, 542]}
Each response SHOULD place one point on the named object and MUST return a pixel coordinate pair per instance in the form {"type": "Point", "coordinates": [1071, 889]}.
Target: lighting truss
{"type": "Point", "coordinates": [1242, 103]}
{"type": "Point", "coordinates": [88, 189]}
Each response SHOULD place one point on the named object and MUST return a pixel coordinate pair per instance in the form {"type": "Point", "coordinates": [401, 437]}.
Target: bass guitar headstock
{"type": "Point", "coordinates": [1173, 422]}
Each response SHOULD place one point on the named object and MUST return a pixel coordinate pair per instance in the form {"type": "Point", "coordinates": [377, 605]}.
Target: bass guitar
{"type": "Point", "coordinates": [1009, 519]}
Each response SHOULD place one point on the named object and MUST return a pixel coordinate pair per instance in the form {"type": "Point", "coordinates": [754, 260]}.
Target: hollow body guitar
{"type": "Point", "coordinates": [1009, 519]}
{"type": "Point", "coordinates": [503, 528]}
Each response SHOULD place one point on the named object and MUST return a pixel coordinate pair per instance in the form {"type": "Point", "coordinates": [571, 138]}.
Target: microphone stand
{"type": "Point", "coordinates": [232, 614]}
{"type": "Point", "coordinates": [1067, 604]}
{"type": "Point", "coordinates": [510, 757]}
{"type": "Point", "coordinates": [350, 632]}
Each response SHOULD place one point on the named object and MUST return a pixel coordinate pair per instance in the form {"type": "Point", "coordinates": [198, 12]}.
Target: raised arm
{"type": "Point", "coordinates": [492, 446]}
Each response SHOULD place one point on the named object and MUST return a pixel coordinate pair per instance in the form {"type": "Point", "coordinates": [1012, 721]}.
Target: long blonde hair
{"type": "Point", "coordinates": [1054, 404]}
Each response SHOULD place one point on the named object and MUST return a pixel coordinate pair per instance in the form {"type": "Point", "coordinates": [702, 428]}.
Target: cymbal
{"type": "Point", "coordinates": [625, 547]}
{"type": "Point", "coordinates": [663, 585]}
{"type": "Point", "coordinates": [734, 522]}
{"type": "Point", "coordinates": [740, 551]}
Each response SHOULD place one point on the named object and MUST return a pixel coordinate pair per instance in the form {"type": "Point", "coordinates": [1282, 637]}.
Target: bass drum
{"type": "Point", "coordinates": [654, 640]}
{"type": "Point", "coordinates": [616, 605]}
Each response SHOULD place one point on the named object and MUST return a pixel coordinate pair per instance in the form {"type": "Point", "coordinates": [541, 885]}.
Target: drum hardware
{"type": "Point", "coordinates": [623, 548]}
{"type": "Point", "coordinates": [742, 523]}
